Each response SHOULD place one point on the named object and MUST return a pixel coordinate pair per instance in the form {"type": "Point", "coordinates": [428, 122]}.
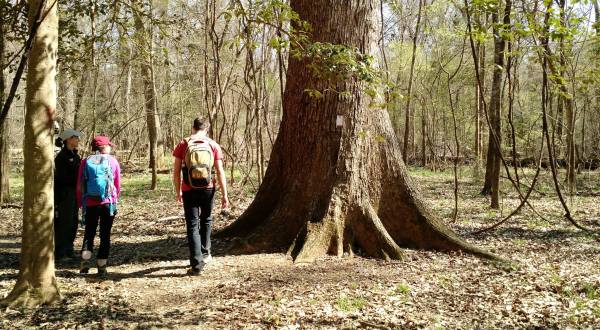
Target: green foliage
{"type": "Point", "coordinates": [590, 291]}
{"type": "Point", "coordinates": [334, 63]}
{"type": "Point", "coordinates": [350, 303]}
{"type": "Point", "coordinates": [13, 17]}
{"type": "Point", "coordinates": [328, 62]}
{"type": "Point", "coordinates": [402, 289]}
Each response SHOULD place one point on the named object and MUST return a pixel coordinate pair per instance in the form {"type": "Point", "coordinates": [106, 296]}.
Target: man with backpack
{"type": "Point", "coordinates": [98, 191]}
{"type": "Point", "coordinates": [194, 182]}
{"type": "Point", "coordinates": [66, 168]}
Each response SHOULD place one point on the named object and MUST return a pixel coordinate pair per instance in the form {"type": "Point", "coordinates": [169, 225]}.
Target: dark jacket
{"type": "Point", "coordinates": [66, 167]}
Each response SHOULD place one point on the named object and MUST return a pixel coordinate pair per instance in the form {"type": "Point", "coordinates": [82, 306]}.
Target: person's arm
{"type": "Point", "coordinates": [223, 184]}
{"type": "Point", "coordinates": [79, 185]}
{"type": "Point", "coordinates": [61, 172]}
{"type": "Point", "coordinates": [117, 178]}
{"type": "Point", "coordinates": [177, 178]}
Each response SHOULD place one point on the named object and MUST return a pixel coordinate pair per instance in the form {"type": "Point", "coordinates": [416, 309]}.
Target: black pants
{"type": "Point", "coordinates": [65, 222]}
{"type": "Point", "coordinates": [93, 215]}
{"type": "Point", "coordinates": [197, 205]}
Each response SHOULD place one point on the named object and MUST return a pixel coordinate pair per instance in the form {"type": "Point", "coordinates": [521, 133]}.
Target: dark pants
{"type": "Point", "coordinates": [197, 205]}
{"type": "Point", "coordinates": [65, 222]}
{"type": "Point", "coordinates": [93, 215]}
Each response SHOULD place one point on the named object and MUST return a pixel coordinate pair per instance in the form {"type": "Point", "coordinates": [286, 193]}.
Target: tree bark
{"type": "Point", "coordinates": [492, 173]}
{"type": "Point", "coordinates": [4, 137]}
{"type": "Point", "coordinates": [407, 120]}
{"type": "Point", "coordinates": [65, 99]}
{"type": "Point", "coordinates": [152, 119]}
{"type": "Point", "coordinates": [79, 93]}
{"type": "Point", "coordinates": [566, 99]}
{"type": "Point", "coordinates": [36, 282]}
{"type": "Point", "coordinates": [479, 95]}
{"type": "Point", "coordinates": [342, 189]}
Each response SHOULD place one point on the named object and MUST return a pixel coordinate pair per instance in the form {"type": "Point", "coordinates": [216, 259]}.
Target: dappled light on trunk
{"type": "Point", "coordinates": [36, 282]}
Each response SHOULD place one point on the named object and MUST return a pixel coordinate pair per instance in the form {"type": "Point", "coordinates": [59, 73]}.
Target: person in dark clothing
{"type": "Point", "coordinates": [66, 168]}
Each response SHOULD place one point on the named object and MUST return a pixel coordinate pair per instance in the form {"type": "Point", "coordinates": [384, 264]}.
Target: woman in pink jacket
{"type": "Point", "coordinates": [98, 191]}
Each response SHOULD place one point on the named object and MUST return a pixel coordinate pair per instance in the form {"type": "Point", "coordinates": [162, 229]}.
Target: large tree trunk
{"type": "Point", "coordinates": [342, 189]}
{"type": "Point", "coordinates": [36, 283]}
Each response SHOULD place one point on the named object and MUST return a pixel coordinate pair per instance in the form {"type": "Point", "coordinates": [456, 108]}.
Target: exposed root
{"type": "Point", "coordinates": [25, 296]}
{"type": "Point", "coordinates": [316, 239]}
{"type": "Point", "coordinates": [316, 242]}
{"type": "Point", "coordinates": [375, 239]}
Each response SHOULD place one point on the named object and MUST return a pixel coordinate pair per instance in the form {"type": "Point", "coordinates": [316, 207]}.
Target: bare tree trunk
{"type": "Point", "coordinates": [340, 188]}
{"type": "Point", "coordinates": [95, 67]}
{"type": "Point", "coordinates": [36, 282]}
{"type": "Point", "coordinates": [65, 99]}
{"type": "Point", "coordinates": [567, 100]}
{"type": "Point", "coordinates": [560, 114]}
{"type": "Point", "coordinates": [423, 132]}
{"type": "Point", "coordinates": [492, 174]}
{"type": "Point", "coordinates": [479, 95]}
{"type": "Point", "coordinates": [5, 136]}
{"type": "Point", "coordinates": [79, 93]}
{"type": "Point", "coordinates": [407, 120]}
{"type": "Point", "coordinates": [152, 119]}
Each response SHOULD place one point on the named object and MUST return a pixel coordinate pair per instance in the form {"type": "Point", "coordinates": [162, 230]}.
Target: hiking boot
{"type": "Point", "coordinates": [84, 268]}
{"type": "Point", "coordinates": [207, 258]}
{"type": "Point", "coordinates": [102, 271]}
{"type": "Point", "coordinates": [195, 271]}
{"type": "Point", "coordinates": [101, 264]}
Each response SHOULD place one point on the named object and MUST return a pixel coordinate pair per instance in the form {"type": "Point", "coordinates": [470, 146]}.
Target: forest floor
{"type": "Point", "coordinates": [556, 283]}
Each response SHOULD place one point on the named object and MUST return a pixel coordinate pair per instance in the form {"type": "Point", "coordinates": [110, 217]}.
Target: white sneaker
{"type": "Point", "coordinates": [207, 258]}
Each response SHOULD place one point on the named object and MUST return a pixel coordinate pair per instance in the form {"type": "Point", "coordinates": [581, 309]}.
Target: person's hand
{"type": "Point", "coordinates": [179, 199]}
{"type": "Point", "coordinates": [224, 202]}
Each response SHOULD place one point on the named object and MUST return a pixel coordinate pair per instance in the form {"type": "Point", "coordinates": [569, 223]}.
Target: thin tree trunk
{"type": "Point", "coordinates": [95, 67]}
{"type": "Point", "coordinates": [407, 120]}
{"type": "Point", "coordinates": [65, 99]}
{"type": "Point", "coordinates": [36, 282]}
{"type": "Point", "coordinates": [5, 135]}
{"type": "Point", "coordinates": [152, 119]}
{"type": "Point", "coordinates": [479, 94]}
{"type": "Point", "coordinates": [567, 100]}
{"type": "Point", "coordinates": [79, 93]}
{"type": "Point", "coordinates": [423, 132]}
{"type": "Point", "coordinates": [495, 114]}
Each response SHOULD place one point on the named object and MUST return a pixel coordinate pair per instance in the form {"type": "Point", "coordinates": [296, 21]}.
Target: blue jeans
{"type": "Point", "coordinates": [197, 206]}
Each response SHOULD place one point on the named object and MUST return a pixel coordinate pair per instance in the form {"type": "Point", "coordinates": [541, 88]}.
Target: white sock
{"type": "Point", "coordinates": [86, 255]}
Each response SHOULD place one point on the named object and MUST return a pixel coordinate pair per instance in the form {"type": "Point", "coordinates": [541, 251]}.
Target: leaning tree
{"type": "Point", "coordinates": [336, 180]}
{"type": "Point", "coordinates": [36, 282]}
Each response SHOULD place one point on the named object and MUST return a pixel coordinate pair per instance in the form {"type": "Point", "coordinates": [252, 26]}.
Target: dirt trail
{"type": "Point", "coordinates": [556, 285]}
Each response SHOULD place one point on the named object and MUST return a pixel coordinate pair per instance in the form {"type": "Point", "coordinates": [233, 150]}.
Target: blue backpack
{"type": "Point", "coordinates": [98, 178]}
